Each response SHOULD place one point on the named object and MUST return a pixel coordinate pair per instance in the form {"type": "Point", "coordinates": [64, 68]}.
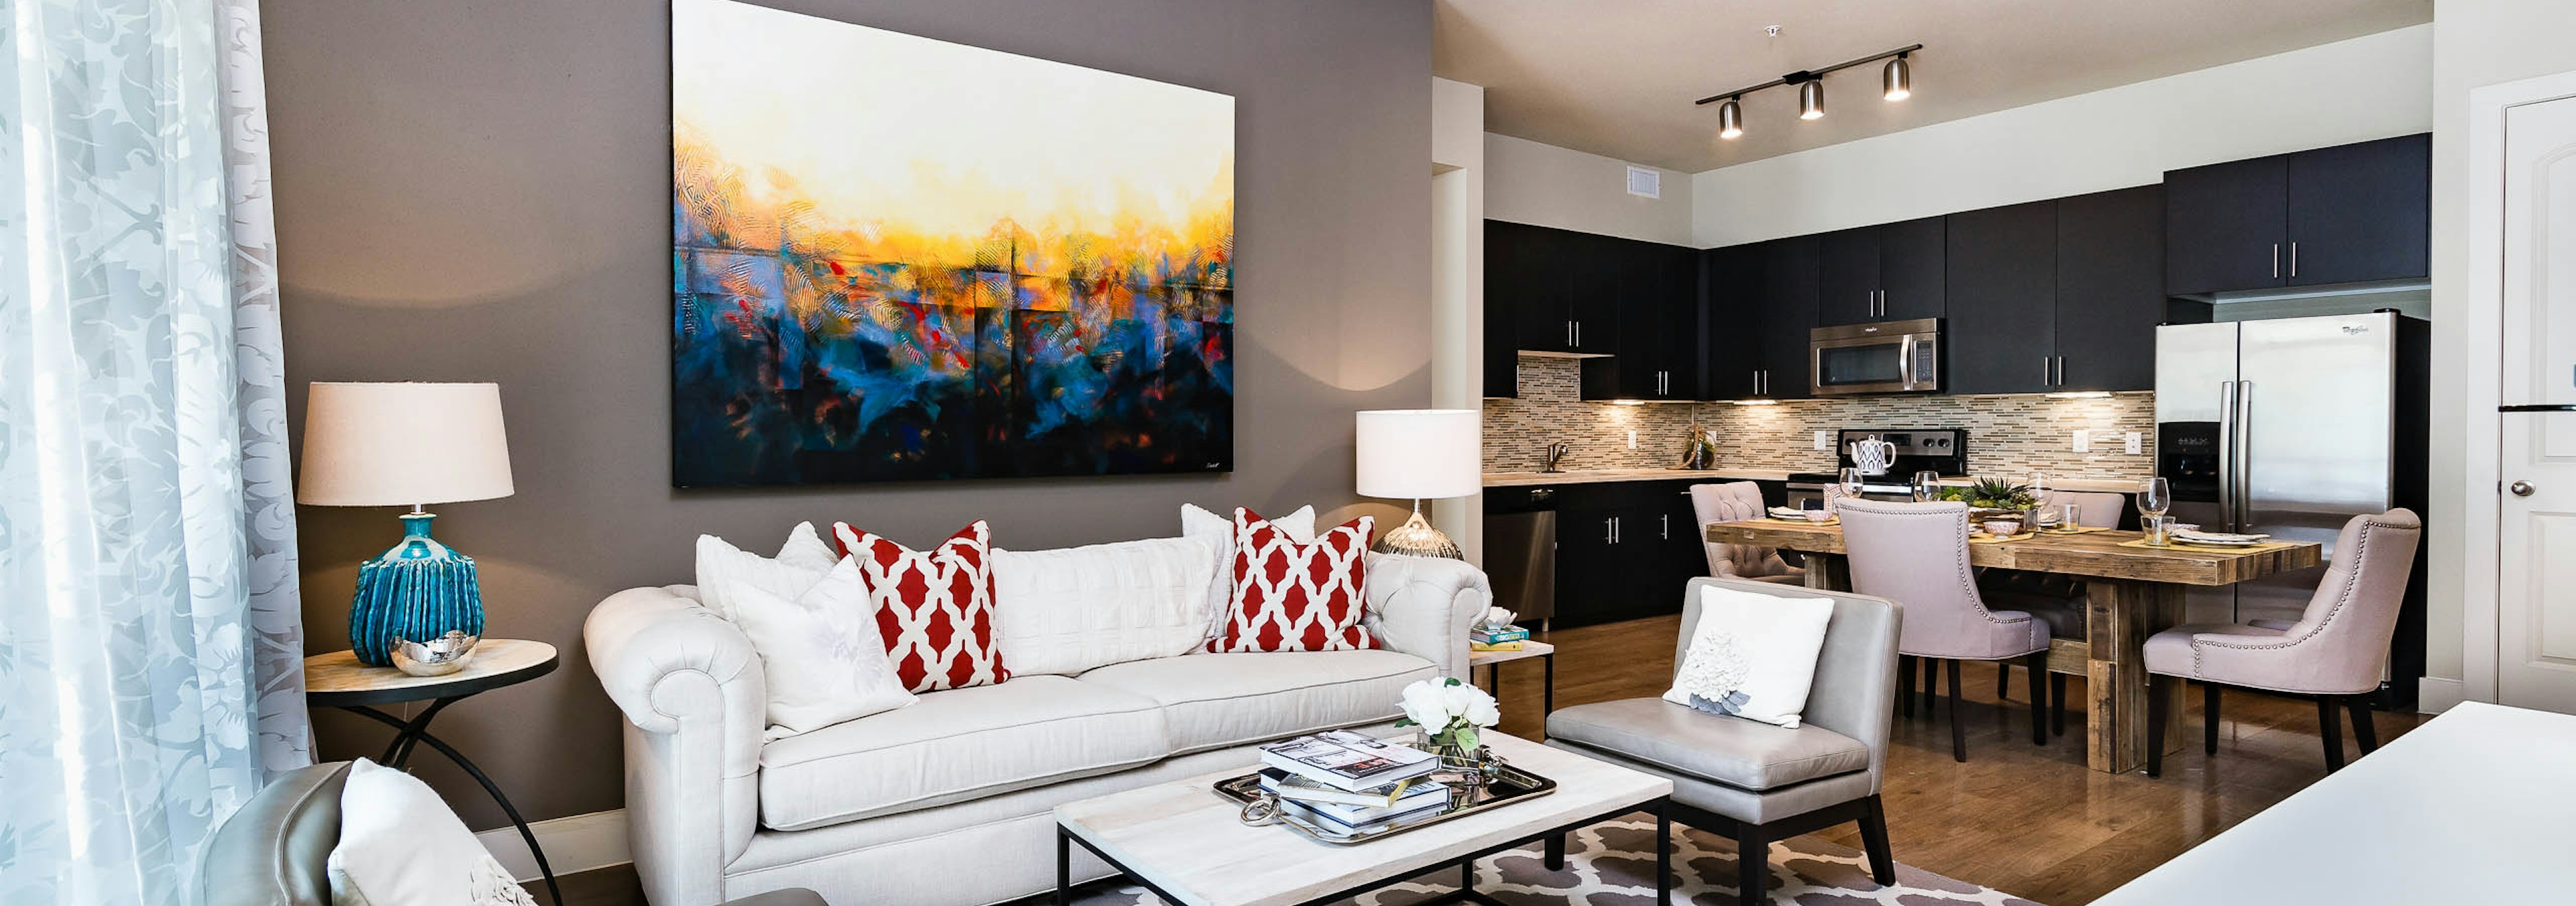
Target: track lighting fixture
{"type": "Point", "coordinates": [1897, 82]}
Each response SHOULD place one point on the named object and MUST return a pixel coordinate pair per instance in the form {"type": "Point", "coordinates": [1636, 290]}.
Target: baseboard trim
{"type": "Point", "coordinates": [573, 844]}
{"type": "Point", "coordinates": [2434, 695]}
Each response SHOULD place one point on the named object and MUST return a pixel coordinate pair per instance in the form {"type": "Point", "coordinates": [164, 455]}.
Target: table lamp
{"type": "Point", "coordinates": [1422, 454]}
{"type": "Point", "coordinates": [409, 444]}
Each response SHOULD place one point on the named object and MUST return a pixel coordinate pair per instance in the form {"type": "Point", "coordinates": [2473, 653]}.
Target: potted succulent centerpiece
{"type": "Point", "coordinates": [1995, 498]}
{"type": "Point", "coordinates": [1452, 716]}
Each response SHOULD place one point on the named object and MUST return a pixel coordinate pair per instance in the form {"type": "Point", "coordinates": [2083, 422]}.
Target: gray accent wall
{"type": "Point", "coordinates": [479, 190]}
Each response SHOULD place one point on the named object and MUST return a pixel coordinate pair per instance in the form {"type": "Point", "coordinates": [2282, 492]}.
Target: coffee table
{"type": "Point", "coordinates": [1187, 844]}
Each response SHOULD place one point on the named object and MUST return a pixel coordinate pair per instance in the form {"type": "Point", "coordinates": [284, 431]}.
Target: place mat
{"type": "Point", "coordinates": [2078, 530]}
{"type": "Point", "coordinates": [2207, 549]}
{"type": "Point", "coordinates": [1834, 521]}
{"type": "Point", "coordinates": [1990, 539]}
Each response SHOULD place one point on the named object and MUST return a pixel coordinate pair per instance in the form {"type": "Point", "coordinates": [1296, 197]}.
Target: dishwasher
{"type": "Point", "coordinates": [1520, 552]}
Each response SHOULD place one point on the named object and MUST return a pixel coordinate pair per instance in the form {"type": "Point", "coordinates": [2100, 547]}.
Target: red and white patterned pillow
{"type": "Point", "coordinates": [934, 607]}
{"type": "Point", "coordinates": [1297, 597]}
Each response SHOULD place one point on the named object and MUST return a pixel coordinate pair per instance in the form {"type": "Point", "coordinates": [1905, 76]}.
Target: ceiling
{"type": "Point", "coordinates": [1617, 77]}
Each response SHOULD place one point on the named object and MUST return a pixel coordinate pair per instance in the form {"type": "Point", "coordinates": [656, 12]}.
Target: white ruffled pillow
{"type": "Point", "coordinates": [821, 653]}
{"type": "Point", "coordinates": [1219, 532]}
{"type": "Point", "coordinates": [401, 846]}
{"type": "Point", "coordinates": [722, 568]}
{"type": "Point", "coordinates": [1752, 655]}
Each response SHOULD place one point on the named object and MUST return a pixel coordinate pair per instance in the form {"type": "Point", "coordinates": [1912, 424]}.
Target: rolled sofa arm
{"type": "Point", "coordinates": [1423, 606]}
{"type": "Point", "coordinates": [695, 704]}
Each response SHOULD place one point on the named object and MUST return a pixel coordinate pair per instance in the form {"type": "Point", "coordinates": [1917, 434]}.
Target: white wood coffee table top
{"type": "Point", "coordinates": [1186, 839]}
{"type": "Point", "coordinates": [1529, 648]}
{"type": "Point", "coordinates": [2471, 807]}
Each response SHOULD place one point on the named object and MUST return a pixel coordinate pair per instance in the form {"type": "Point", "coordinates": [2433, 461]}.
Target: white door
{"type": "Point", "coordinates": [2536, 551]}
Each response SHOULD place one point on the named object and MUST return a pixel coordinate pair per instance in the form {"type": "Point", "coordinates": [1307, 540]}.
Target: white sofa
{"type": "Point", "coordinates": [947, 802]}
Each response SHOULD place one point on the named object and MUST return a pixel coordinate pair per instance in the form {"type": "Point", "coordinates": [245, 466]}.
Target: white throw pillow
{"type": "Point", "coordinates": [1752, 655]}
{"type": "Point", "coordinates": [401, 846]}
{"type": "Point", "coordinates": [822, 654]}
{"type": "Point", "coordinates": [1199, 523]}
{"type": "Point", "coordinates": [1067, 611]}
{"type": "Point", "coordinates": [722, 568]}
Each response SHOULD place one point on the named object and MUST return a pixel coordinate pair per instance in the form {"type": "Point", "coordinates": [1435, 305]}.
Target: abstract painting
{"type": "Point", "coordinates": [895, 259]}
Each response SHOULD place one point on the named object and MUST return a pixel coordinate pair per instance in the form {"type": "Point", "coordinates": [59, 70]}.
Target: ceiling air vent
{"type": "Point", "coordinates": [1645, 182]}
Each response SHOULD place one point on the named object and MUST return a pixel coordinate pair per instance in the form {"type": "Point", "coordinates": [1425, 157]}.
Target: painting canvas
{"type": "Point", "coordinates": [895, 258]}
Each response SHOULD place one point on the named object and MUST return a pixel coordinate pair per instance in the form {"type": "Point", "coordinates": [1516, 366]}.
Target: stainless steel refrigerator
{"type": "Point", "coordinates": [2290, 427]}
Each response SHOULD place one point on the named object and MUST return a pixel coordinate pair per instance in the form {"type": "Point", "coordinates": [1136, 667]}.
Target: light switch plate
{"type": "Point", "coordinates": [1632, 438]}
{"type": "Point", "coordinates": [2136, 444]}
{"type": "Point", "coordinates": [2083, 441]}
{"type": "Point", "coordinates": [1823, 442]}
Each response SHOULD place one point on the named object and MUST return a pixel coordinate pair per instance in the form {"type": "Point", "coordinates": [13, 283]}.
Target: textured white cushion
{"type": "Point", "coordinates": [955, 745]}
{"type": "Point", "coordinates": [1211, 701]}
{"type": "Point", "coordinates": [799, 564]}
{"type": "Point", "coordinates": [401, 846]}
{"type": "Point", "coordinates": [1067, 611]}
{"type": "Point", "coordinates": [821, 655]}
{"type": "Point", "coordinates": [1752, 655]}
{"type": "Point", "coordinates": [1219, 530]}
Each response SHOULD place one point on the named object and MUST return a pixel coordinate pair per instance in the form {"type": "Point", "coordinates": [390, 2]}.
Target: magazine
{"type": "Point", "coordinates": [1400, 794]}
{"type": "Point", "coordinates": [1348, 761]}
{"type": "Point", "coordinates": [1319, 815]}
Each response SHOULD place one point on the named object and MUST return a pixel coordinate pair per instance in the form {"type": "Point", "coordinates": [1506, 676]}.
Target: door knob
{"type": "Point", "coordinates": [2521, 488]}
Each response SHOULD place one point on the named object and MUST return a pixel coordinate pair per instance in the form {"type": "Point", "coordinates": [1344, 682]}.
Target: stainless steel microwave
{"type": "Point", "coordinates": [1886, 357]}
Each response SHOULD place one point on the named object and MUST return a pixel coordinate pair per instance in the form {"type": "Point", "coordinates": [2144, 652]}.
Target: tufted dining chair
{"type": "Point", "coordinates": [1916, 554]}
{"type": "Point", "coordinates": [2333, 653]}
{"type": "Point", "coordinates": [1737, 501]}
{"type": "Point", "coordinates": [2055, 599]}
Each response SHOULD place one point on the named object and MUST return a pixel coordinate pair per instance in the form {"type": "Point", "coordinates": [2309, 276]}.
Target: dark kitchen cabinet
{"type": "Point", "coordinates": [1593, 266]}
{"type": "Point", "coordinates": [1732, 325]}
{"type": "Point", "coordinates": [1788, 305]}
{"type": "Point", "coordinates": [2110, 254]}
{"type": "Point", "coordinates": [1890, 272]}
{"type": "Point", "coordinates": [1624, 550]}
{"type": "Point", "coordinates": [1506, 285]}
{"type": "Point", "coordinates": [2347, 214]}
{"type": "Point", "coordinates": [1658, 305]}
{"type": "Point", "coordinates": [2360, 213]}
{"type": "Point", "coordinates": [2224, 226]}
{"type": "Point", "coordinates": [1556, 286]}
{"type": "Point", "coordinates": [2003, 300]}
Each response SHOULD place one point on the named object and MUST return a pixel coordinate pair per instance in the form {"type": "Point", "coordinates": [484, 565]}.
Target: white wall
{"type": "Point", "coordinates": [1458, 280]}
{"type": "Point", "coordinates": [2475, 43]}
{"type": "Point", "coordinates": [2369, 87]}
{"type": "Point", "coordinates": [1544, 185]}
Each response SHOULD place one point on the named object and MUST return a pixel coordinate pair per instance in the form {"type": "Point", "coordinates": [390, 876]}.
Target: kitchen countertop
{"type": "Point", "coordinates": [1591, 476]}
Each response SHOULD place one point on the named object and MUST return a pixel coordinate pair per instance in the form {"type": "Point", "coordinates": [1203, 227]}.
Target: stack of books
{"type": "Point", "coordinates": [1508, 638]}
{"type": "Point", "coordinates": [1351, 781]}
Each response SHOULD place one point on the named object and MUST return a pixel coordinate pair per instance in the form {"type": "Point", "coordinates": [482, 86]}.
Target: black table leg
{"type": "Point", "coordinates": [398, 752]}
{"type": "Point", "coordinates": [420, 734]}
{"type": "Point", "coordinates": [1664, 853]}
{"type": "Point", "coordinates": [1063, 868]}
{"type": "Point", "coordinates": [1549, 697]}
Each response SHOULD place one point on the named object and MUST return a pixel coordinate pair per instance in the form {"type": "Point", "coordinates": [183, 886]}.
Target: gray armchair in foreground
{"type": "Point", "coordinates": [273, 851]}
{"type": "Point", "coordinates": [1753, 781]}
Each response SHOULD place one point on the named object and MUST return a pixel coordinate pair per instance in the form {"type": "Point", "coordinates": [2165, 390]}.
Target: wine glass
{"type": "Point", "coordinates": [1927, 486]}
{"type": "Point", "coordinates": [1851, 481]}
{"type": "Point", "coordinates": [2154, 500]}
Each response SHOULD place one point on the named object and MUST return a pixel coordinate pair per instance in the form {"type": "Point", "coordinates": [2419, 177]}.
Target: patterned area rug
{"type": "Point", "coordinates": [1613, 864]}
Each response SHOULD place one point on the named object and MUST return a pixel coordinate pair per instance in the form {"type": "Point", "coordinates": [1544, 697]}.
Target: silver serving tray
{"type": "Point", "coordinates": [1509, 785]}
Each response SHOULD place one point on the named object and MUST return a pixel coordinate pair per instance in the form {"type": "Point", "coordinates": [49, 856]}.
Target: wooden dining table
{"type": "Point", "coordinates": [2130, 593]}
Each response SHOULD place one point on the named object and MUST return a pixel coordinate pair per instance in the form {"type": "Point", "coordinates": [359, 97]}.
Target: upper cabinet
{"type": "Point", "coordinates": [1557, 288]}
{"type": "Point", "coordinates": [2003, 300]}
{"type": "Point", "coordinates": [1658, 292]}
{"type": "Point", "coordinates": [2057, 295]}
{"type": "Point", "coordinates": [2347, 214]}
{"type": "Point", "coordinates": [1889, 272]}
{"type": "Point", "coordinates": [1762, 302]}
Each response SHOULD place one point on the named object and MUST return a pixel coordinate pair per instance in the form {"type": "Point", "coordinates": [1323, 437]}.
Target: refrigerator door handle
{"type": "Point", "coordinates": [2227, 455]}
{"type": "Point", "coordinates": [2244, 456]}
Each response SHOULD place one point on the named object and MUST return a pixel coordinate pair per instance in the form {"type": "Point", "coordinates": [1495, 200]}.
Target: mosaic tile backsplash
{"type": "Point", "coordinates": [2008, 436]}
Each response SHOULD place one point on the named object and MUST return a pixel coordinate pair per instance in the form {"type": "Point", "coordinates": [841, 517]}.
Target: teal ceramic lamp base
{"type": "Point", "coordinates": [418, 590]}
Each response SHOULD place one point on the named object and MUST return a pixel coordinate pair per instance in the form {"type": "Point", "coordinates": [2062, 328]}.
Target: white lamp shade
{"type": "Point", "coordinates": [403, 444]}
{"type": "Point", "coordinates": [1420, 453]}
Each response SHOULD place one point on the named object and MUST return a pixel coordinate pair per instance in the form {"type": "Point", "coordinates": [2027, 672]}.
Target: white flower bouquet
{"type": "Point", "coordinates": [1451, 712]}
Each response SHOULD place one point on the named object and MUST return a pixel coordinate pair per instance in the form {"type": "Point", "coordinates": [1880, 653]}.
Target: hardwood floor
{"type": "Point", "coordinates": [2028, 820]}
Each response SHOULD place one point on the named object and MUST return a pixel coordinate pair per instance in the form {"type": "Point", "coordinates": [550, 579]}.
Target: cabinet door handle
{"type": "Point", "coordinates": [1578, 334]}
{"type": "Point", "coordinates": [1569, 334]}
{"type": "Point", "coordinates": [2276, 261]}
{"type": "Point", "coordinates": [2043, 371]}
{"type": "Point", "coordinates": [1609, 530]}
{"type": "Point", "coordinates": [2294, 257]}
{"type": "Point", "coordinates": [1668, 526]}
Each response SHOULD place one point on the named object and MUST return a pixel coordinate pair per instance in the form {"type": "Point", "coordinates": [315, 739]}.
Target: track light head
{"type": "Point", "coordinates": [1730, 119]}
{"type": "Point", "coordinates": [1898, 79]}
{"type": "Point", "coordinates": [1811, 99]}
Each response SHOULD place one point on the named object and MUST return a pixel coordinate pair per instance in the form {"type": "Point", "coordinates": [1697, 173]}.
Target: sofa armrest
{"type": "Point", "coordinates": [695, 704]}
{"type": "Point", "coordinates": [1423, 606]}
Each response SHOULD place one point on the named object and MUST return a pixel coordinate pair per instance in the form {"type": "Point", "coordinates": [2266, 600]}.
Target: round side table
{"type": "Point", "coordinates": [337, 680]}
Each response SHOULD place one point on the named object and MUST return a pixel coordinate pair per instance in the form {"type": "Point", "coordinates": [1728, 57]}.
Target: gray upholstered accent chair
{"type": "Point", "coordinates": [1916, 554]}
{"type": "Point", "coordinates": [2333, 654]}
{"type": "Point", "coordinates": [1753, 781]}
{"type": "Point", "coordinates": [1737, 501]}
{"type": "Point", "coordinates": [2055, 599]}
{"type": "Point", "coordinates": [273, 852]}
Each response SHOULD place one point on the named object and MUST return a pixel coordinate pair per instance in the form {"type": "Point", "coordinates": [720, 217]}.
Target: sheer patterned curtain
{"type": "Point", "coordinates": [150, 649]}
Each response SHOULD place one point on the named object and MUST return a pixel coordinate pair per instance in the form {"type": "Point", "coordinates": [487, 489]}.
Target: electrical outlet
{"type": "Point", "coordinates": [2136, 444]}
{"type": "Point", "coordinates": [1823, 442]}
{"type": "Point", "coordinates": [1632, 438]}
{"type": "Point", "coordinates": [2083, 441]}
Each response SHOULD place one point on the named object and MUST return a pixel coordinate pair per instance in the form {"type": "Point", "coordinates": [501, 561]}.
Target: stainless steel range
{"type": "Point", "coordinates": [1942, 450]}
